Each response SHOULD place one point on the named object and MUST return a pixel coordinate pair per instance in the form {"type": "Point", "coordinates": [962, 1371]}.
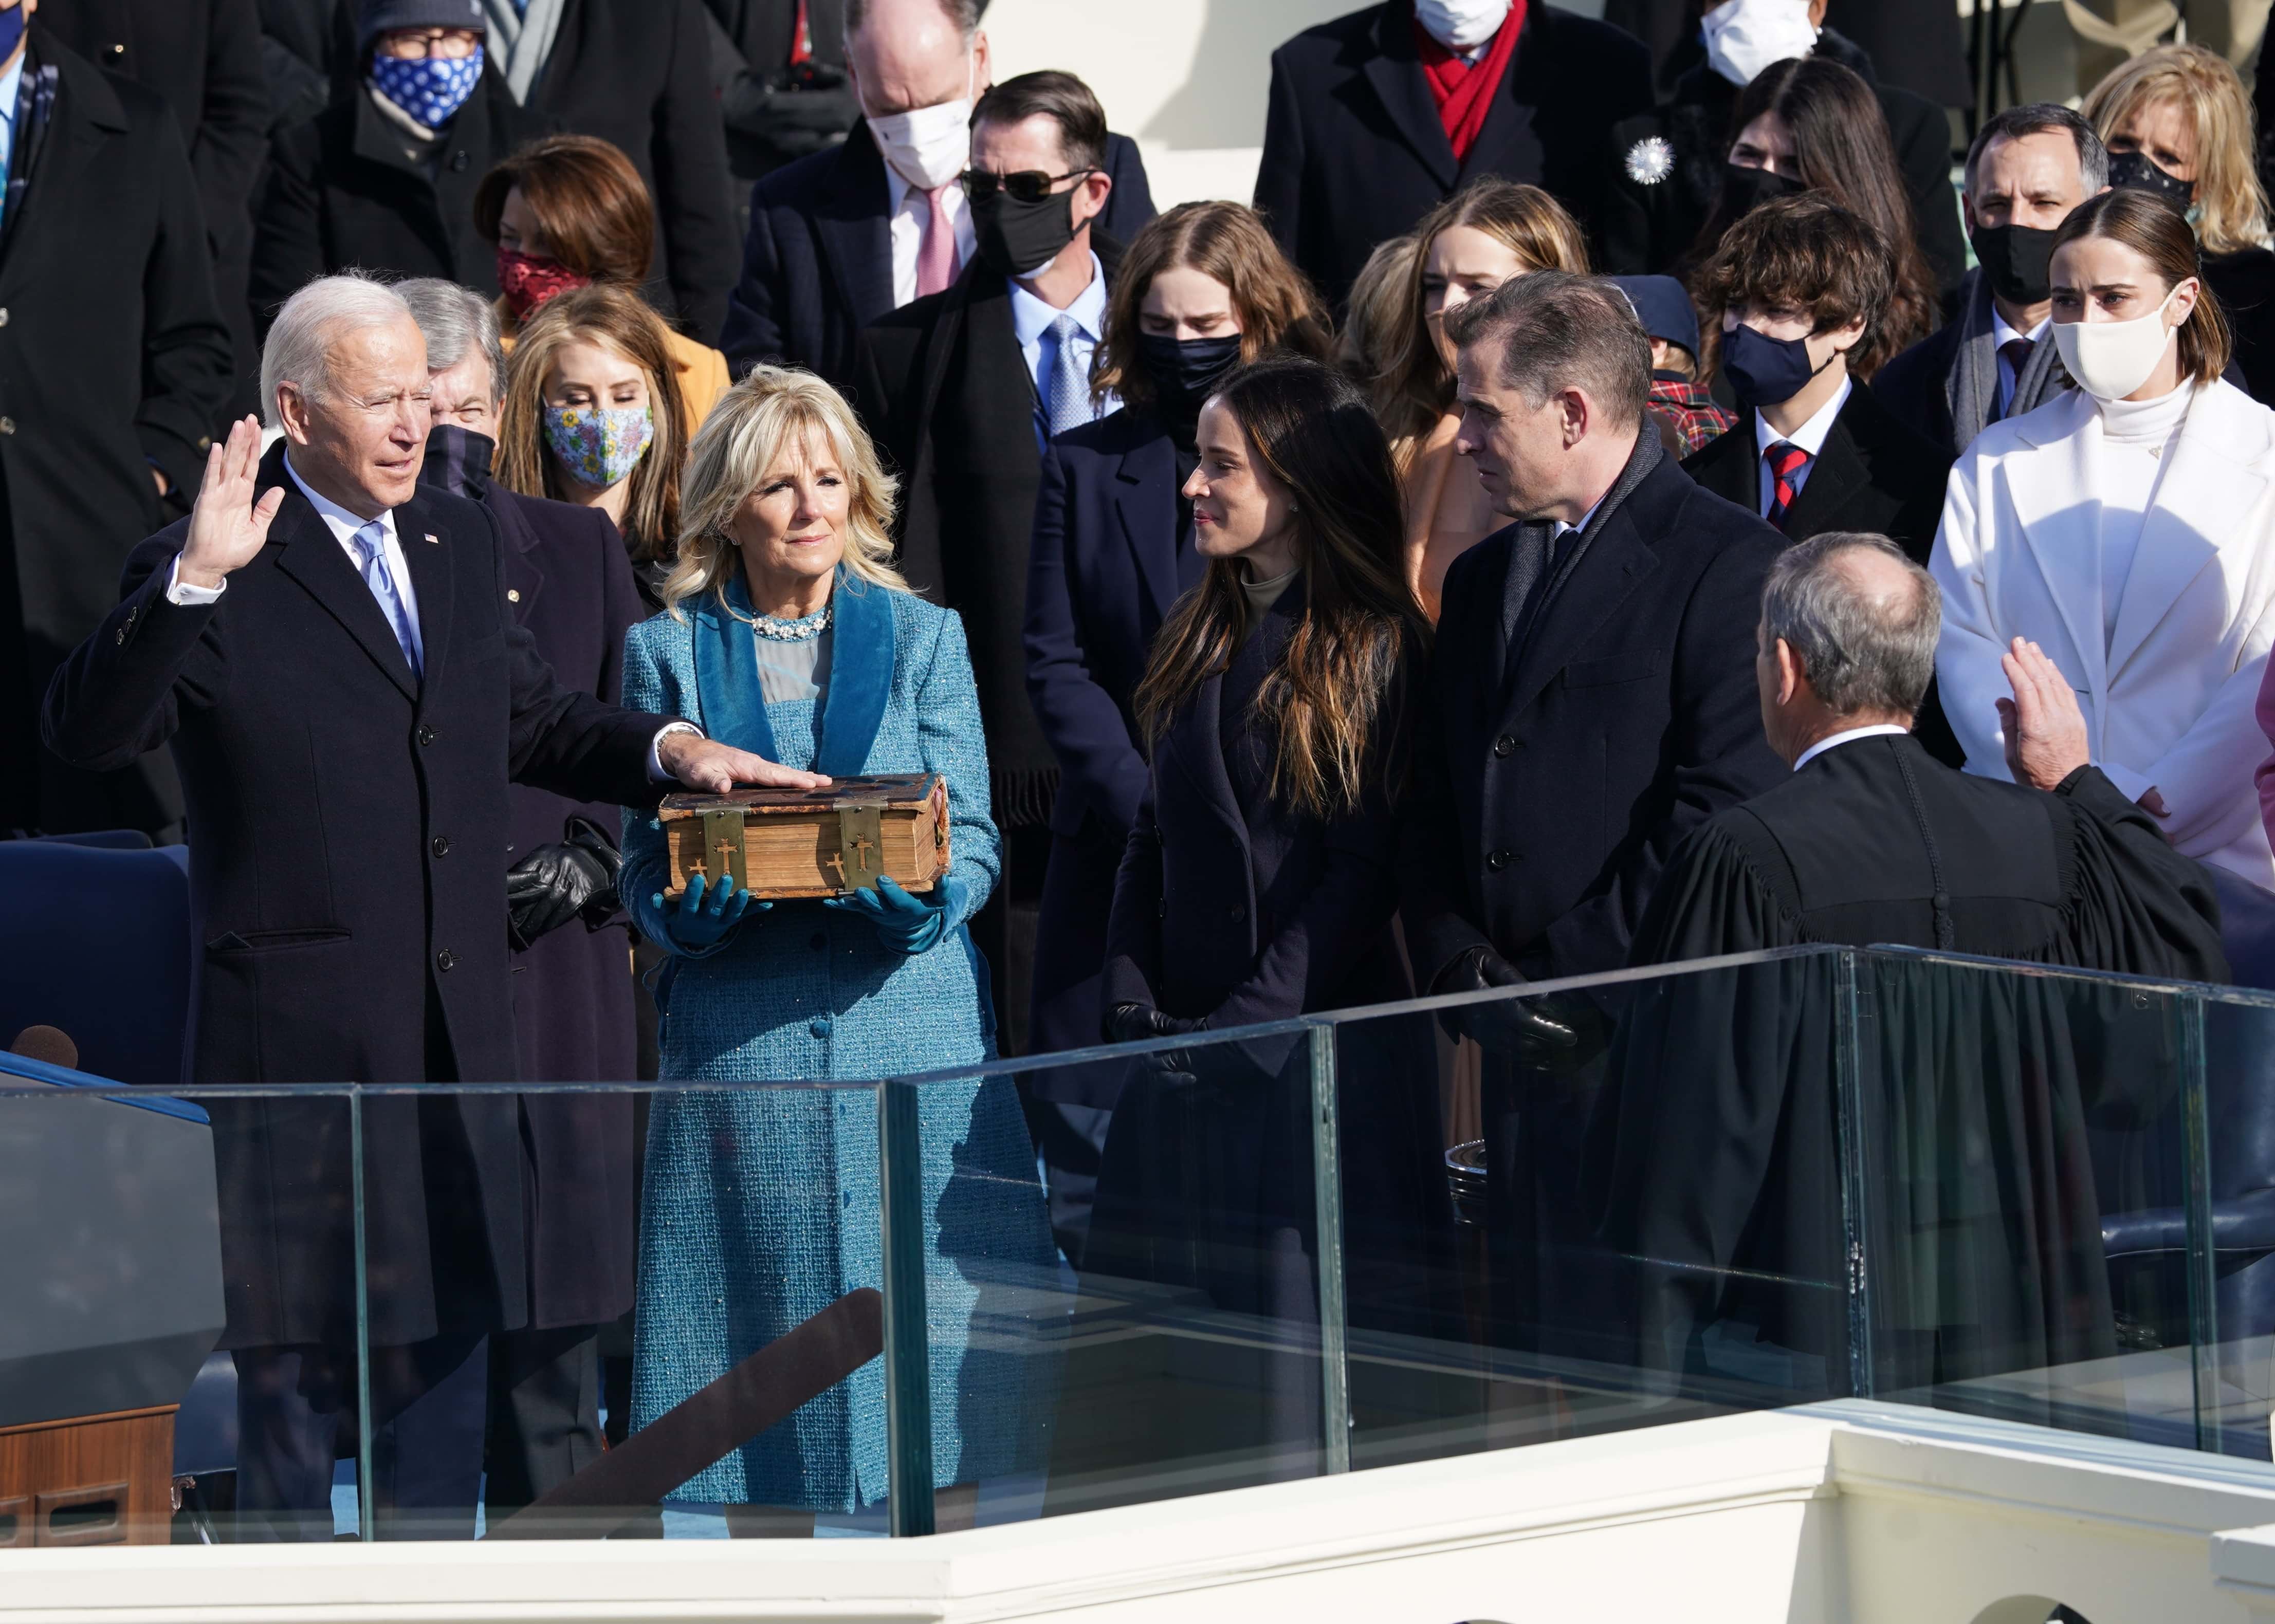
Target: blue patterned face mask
{"type": "Point", "coordinates": [431, 89]}
{"type": "Point", "coordinates": [598, 446]}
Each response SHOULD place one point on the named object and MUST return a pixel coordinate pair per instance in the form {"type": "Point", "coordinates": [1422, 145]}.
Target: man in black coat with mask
{"type": "Point", "coordinates": [962, 388]}
{"type": "Point", "coordinates": [2027, 169]}
{"type": "Point", "coordinates": [384, 178]}
{"type": "Point", "coordinates": [337, 670]}
{"type": "Point", "coordinates": [114, 373]}
{"type": "Point", "coordinates": [1591, 700]}
{"type": "Point", "coordinates": [841, 238]}
{"type": "Point", "coordinates": [1378, 117]}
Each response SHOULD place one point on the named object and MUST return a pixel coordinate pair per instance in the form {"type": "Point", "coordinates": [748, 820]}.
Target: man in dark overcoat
{"type": "Point", "coordinates": [364, 185]}
{"type": "Point", "coordinates": [339, 674]}
{"type": "Point", "coordinates": [1366, 132]}
{"type": "Point", "coordinates": [837, 238]}
{"type": "Point", "coordinates": [204, 58]}
{"type": "Point", "coordinates": [114, 375]}
{"type": "Point", "coordinates": [1591, 700]}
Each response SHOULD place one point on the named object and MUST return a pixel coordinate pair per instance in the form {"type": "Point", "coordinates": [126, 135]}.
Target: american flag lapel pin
{"type": "Point", "coordinates": [432, 537]}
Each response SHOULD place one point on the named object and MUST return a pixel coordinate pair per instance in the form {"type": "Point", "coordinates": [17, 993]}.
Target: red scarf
{"type": "Point", "coordinates": [1464, 91]}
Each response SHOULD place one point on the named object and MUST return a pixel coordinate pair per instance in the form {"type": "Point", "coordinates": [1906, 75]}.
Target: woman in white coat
{"type": "Point", "coordinates": [2127, 528]}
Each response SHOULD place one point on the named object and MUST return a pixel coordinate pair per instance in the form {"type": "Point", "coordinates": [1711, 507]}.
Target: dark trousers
{"type": "Point", "coordinates": [544, 1413]}
{"type": "Point", "coordinates": [296, 1407]}
{"type": "Point", "coordinates": [1004, 932]}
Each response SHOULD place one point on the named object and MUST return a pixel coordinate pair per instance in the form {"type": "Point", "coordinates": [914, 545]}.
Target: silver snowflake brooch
{"type": "Point", "coordinates": [1650, 161]}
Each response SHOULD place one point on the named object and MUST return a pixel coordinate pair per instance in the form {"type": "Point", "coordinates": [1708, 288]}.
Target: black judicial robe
{"type": "Point", "coordinates": [1988, 1100]}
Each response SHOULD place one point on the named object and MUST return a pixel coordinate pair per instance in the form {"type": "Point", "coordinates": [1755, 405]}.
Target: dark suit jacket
{"type": "Point", "coordinates": [946, 392]}
{"type": "Point", "coordinates": [1552, 781]}
{"type": "Point", "coordinates": [341, 191]}
{"type": "Point", "coordinates": [1873, 474]}
{"type": "Point", "coordinates": [1910, 384]}
{"type": "Point", "coordinates": [638, 73]}
{"type": "Point", "coordinates": [345, 889]}
{"type": "Point", "coordinates": [1355, 151]}
{"type": "Point", "coordinates": [817, 263]}
{"type": "Point", "coordinates": [1108, 563]}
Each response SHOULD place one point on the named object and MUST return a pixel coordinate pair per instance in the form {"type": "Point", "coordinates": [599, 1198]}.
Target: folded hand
{"type": "Point", "coordinates": [706, 912]}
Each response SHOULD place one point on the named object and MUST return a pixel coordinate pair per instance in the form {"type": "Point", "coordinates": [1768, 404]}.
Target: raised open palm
{"type": "Point", "coordinates": [228, 528]}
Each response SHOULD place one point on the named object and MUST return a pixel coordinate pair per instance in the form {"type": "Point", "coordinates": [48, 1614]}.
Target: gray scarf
{"type": "Point", "coordinates": [521, 38]}
{"type": "Point", "coordinates": [1541, 563]}
{"type": "Point", "coordinates": [1972, 387]}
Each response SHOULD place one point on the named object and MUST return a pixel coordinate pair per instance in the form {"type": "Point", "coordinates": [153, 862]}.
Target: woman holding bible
{"type": "Point", "coordinates": [785, 625]}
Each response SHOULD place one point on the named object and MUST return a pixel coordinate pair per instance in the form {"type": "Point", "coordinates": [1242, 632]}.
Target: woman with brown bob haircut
{"type": "Point", "coordinates": [2127, 528]}
{"type": "Point", "coordinates": [571, 211]}
{"type": "Point", "coordinates": [1809, 124]}
{"type": "Point", "coordinates": [1467, 245]}
{"type": "Point", "coordinates": [592, 415]}
{"type": "Point", "coordinates": [1202, 290]}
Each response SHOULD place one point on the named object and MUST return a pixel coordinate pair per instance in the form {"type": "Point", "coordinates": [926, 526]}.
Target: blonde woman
{"type": "Point", "coordinates": [2178, 124]}
{"type": "Point", "coordinates": [592, 416]}
{"type": "Point", "coordinates": [1468, 246]}
{"type": "Point", "coordinates": [785, 622]}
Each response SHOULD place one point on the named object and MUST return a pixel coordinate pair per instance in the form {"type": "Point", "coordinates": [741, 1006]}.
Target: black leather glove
{"type": "Point", "coordinates": [1136, 1022]}
{"type": "Point", "coordinates": [572, 878]}
{"type": "Point", "coordinates": [1538, 1031]}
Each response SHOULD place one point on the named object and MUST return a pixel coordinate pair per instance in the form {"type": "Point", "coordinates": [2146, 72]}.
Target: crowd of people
{"type": "Point", "coordinates": [1552, 526]}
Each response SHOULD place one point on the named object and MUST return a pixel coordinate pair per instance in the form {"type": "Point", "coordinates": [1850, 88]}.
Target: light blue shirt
{"type": "Point", "coordinates": [345, 527]}
{"type": "Point", "coordinates": [10, 81]}
{"type": "Point", "coordinates": [1032, 319]}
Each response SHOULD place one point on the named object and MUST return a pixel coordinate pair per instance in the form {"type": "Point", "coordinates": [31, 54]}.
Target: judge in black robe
{"type": "Point", "coordinates": [1992, 1111]}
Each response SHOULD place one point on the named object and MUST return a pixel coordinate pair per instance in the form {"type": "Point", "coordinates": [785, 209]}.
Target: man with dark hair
{"type": "Point", "coordinates": [962, 388]}
{"type": "Point", "coordinates": [1378, 117]}
{"type": "Point", "coordinates": [1590, 702]}
{"type": "Point", "coordinates": [1720, 1166]}
{"type": "Point", "coordinates": [2026, 171]}
{"type": "Point", "coordinates": [1800, 282]}
{"type": "Point", "coordinates": [844, 236]}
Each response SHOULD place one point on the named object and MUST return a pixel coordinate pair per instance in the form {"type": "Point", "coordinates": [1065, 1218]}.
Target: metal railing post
{"type": "Point", "coordinates": [908, 1355]}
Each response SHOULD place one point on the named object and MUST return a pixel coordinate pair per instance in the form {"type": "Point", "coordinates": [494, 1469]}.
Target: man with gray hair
{"type": "Point", "coordinates": [2026, 169]}
{"type": "Point", "coordinates": [1589, 704]}
{"type": "Point", "coordinates": [328, 648]}
{"type": "Point", "coordinates": [1870, 839]}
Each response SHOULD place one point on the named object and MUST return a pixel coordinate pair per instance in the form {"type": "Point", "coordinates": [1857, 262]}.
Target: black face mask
{"type": "Point", "coordinates": [2137, 171]}
{"type": "Point", "coordinates": [1185, 371]}
{"type": "Point", "coordinates": [1764, 371]}
{"type": "Point", "coordinates": [2017, 259]}
{"type": "Point", "coordinates": [458, 461]}
{"type": "Point", "coordinates": [1744, 190]}
{"type": "Point", "coordinates": [1019, 238]}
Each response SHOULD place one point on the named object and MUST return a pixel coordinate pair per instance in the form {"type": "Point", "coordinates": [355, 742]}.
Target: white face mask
{"type": "Point", "coordinates": [1460, 24]}
{"type": "Point", "coordinates": [1745, 36]}
{"type": "Point", "coordinates": [930, 146]}
{"type": "Point", "coordinates": [2110, 359]}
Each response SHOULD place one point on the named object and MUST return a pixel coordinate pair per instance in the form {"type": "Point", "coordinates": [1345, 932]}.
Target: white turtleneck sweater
{"type": "Point", "coordinates": [2138, 438]}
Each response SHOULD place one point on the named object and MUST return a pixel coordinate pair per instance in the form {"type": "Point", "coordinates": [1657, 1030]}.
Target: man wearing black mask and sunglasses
{"type": "Point", "coordinates": [963, 388]}
{"type": "Point", "coordinates": [2028, 169]}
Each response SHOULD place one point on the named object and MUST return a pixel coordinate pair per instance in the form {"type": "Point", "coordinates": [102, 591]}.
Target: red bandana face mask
{"type": "Point", "coordinates": [528, 280]}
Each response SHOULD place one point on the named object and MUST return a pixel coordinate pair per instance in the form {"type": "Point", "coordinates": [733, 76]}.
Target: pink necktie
{"type": "Point", "coordinates": [936, 252]}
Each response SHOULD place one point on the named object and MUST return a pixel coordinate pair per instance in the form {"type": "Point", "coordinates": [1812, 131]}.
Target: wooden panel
{"type": "Point", "coordinates": [55, 1476]}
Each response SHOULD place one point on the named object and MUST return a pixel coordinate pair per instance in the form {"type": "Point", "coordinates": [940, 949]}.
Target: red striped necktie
{"type": "Point", "coordinates": [1785, 459]}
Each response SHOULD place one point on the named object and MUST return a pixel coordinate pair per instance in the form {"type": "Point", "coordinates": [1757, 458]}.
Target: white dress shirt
{"type": "Point", "coordinates": [1878, 729]}
{"type": "Point", "coordinates": [2001, 336]}
{"type": "Point", "coordinates": [911, 213]}
{"type": "Point", "coordinates": [1032, 319]}
{"type": "Point", "coordinates": [1810, 438]}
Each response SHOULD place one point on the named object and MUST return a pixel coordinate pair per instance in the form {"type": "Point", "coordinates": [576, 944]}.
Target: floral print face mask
{"type": "Point", "coordinates": [598, 446]}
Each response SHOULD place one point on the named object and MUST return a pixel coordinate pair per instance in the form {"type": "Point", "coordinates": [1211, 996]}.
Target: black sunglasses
{"type": "Point", "coordinates": [1025, 187]}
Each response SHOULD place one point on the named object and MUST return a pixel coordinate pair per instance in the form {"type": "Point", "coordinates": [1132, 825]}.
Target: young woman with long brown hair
{"type": "Point", "coordinates": [1258, 885]}
{"type": "Point", "coordinates": [1809, 124]}
{"type": "Point", "coordinates": [591, 415]}
{"type": "Point", "coordinates": [1466, 247]}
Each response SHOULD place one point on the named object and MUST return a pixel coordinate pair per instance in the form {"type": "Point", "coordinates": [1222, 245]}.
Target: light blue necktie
{"type": "Point", "coordinates": [370, 544]}
{"type": "Point", "coordinates": [1069, 403]}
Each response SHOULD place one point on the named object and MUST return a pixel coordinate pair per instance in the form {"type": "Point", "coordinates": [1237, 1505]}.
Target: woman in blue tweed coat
{"type": "Point", "coordinates": [787, 631]}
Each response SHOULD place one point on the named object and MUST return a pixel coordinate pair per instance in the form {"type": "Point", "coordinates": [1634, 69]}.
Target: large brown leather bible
{"type": "Point", "coordinates": [782, 843]}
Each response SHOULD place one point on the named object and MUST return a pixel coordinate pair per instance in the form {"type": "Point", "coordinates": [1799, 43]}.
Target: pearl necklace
{"type": "Point", "coordinates": [775, 630]}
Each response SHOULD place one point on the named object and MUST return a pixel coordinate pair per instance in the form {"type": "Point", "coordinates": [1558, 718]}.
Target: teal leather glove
{"type": "Point", "coordinates": [906, 924]}
{"type": "Point", "coordinates": [705, 914]}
